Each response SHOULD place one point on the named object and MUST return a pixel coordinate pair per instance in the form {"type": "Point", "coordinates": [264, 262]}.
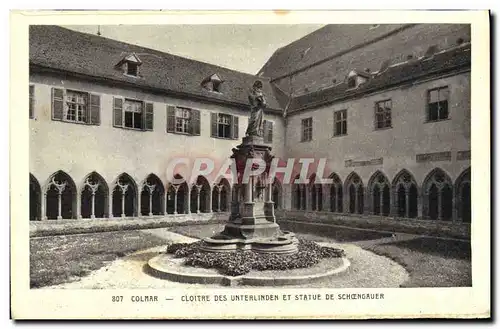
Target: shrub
{"type": "Point", "coordinates": [241, 262]}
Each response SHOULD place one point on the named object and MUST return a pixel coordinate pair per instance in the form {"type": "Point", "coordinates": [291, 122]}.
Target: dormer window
{"type": "Point", "coordinates": [216, 86]}
{"type": "Point", "coordinates": [212, 83]}
{"type": "Point", "coordinates": [351, 82]}
{"type": "Point", "coordinates": [130, 65]}
{"type": "Point", "coordinates": [355, 78]}
{"type": "Point", "coordinates": [132, 69]}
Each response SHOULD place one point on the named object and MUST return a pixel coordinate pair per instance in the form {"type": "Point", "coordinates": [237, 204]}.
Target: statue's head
{"type": "Point", "coordinates": [257, 84]}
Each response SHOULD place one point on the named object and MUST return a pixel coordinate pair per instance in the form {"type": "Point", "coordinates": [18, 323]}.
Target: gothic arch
{"type": "Point", "coordinates": [336, 193]}
{"type": "Point", "coordinates": [200, 195]}
{"type": "Point", "coordinates": [463, 196]}
{"type": "Point", "coordinates": [35, 199]}
{"type": "Point", "coordinates": [152, 196]}
{"type": "Point", "coordinates": [94, 196]}
{"type": "Point", "coordinates": [299, 194]}
{"type": "Point", "coordinates": [405, 195]}
{"type": "Point", "coordinates": [437, 191]}
{"type": "Point", "coordinates": [316, 192]}
{"type": "Point", "coordinates": [61, 194]}
{"type": "Point", "coordinates": [178, 196]}
{"type": "Point", "coordinates": [379, 192]}
{"type": "Point", "coordinates": [355, 192]}
{"type": "Point", "coordinates": [125, 195]}
{"type": "Point", "coordinates": [221, 192]}
{"type": "Point", "coordinates": [277, 194]}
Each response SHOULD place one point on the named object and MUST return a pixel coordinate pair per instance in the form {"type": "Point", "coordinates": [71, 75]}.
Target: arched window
{"type": "Point", "coordinates": [220, 196]}
{"type": "Point", "coordinates": [178, 196]}
{"type": "Point", "coordinates": [316, 191]}
{"type": "Point", "coordinates": [277, 193]}
{"type": "Point", "coordinates": [35, 199]}
{"type": "Point", "coordinates": [225, 192]}
{"type": "Point", "coordinates": [355, 192]}
{"type": "Point", "coordinates": [94, 197]}
{"type": "Point", "coordinates": [61, 197]}
{"type": "Point", "coordinates": [297, 196]}
{"type": "Point", "coordinates": [438, 195]}
{"type": "Point", "coordinates": [405, 194]}
{"type": "Point", "coordinates": [380, 194]}
{"type": "Point", "coordinates": [300, 193]}
{"type": "Point", "coordinates": [463, 196]}
{"type": "Point", "coordinates": [152, 196]}
{"type": "Point", "coordinates": [124, 197]}
{"type": "Point", "coordinates": [200, 195]}
{"type": "Point", "coordinates": [171, 197]}
{"type": "Point", "coordinates": [336, 194]}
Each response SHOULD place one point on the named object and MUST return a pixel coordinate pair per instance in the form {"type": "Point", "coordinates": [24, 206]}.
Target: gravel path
{"type": "Point", "coordinates": [367, 270]}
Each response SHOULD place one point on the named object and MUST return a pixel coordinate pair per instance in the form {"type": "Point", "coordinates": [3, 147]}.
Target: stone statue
{"type": "Point", "coordinates": [257, 104]}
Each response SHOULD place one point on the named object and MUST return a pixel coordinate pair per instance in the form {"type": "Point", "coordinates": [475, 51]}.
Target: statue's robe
{"type": "Point", "coordinates": [256, 120]}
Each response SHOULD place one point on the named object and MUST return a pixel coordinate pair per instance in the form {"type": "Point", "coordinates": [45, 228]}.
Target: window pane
{"type": "Point", "coordinates": [133, 106]}
{"type": "Point", "coordinates": [344, 127]}
{"type": "Point", "coordinates": [137, 120]}
{"type": "Point", "coordinates": [443, 110]}
{"type": "Point", "coordinates": [128, 119]}
{"type": "Point", "coordinates": [433, 111]}
{"type": "Point", "coordinates": [380, 107]}
{"type": "Point", "coordinates": [338, 128]}
{"type": "Point", "coordinates": [76, 105]}
{"type": "Point", "coordinates": [433, 96]}
{"type": "Point", "coordinates": [443, 94]}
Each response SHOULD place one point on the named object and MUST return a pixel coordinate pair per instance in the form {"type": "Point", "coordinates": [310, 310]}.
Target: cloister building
{"type": "Point", "coordinates": [388, 107]}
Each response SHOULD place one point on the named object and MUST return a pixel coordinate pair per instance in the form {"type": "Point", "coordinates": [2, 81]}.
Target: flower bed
{"type": "Point", "coordinates": [241, 262]}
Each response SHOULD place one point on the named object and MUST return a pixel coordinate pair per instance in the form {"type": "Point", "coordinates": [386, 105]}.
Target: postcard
{"type": "Point", "coordinates": [250, 165]}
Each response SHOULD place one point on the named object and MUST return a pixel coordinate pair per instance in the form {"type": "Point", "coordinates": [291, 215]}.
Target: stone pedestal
{"type": "Point", "coordinates": [252, 224]}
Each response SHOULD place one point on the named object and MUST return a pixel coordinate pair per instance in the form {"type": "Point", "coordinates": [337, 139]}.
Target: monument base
{"type": "Point", "coordinates": [285, 243]}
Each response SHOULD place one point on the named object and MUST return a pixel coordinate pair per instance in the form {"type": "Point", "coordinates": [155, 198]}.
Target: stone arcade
{"type": "Point", "coordinates": [388, 106]}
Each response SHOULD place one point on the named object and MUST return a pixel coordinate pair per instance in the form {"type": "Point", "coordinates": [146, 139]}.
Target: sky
{"type": "Point", "coordinates": [243, 48]}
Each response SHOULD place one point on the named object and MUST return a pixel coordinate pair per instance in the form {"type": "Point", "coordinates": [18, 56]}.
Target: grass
{"type": "Point", "coordinates": [430, 262]}
{"type": "Point", "coordinates": [65, 258]}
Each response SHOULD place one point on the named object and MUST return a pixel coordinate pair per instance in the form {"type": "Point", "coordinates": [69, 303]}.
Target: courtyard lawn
{"type": "Point", "coordinates": [66, 258]}
{"type": "Point", "coordinates": [430, 262]}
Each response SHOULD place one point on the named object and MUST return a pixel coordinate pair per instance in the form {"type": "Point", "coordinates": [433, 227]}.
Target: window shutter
{"type": "Point", "coordinates": [95, 110]}
{"type": "Point", "coordinates": [148, 116]}
{"type": "Point", "coordinates": [235, 132]}
{"type": "Point", "coordinates": [170, 119]}
{"type": "Point", "coordinates": [195, 122]}
{"type": "Point", "coordinates": [117, 112]}
{"type": "Point", "coordinates": [57, 103]}
{"type": "Point", "coordinates": [213, 118]}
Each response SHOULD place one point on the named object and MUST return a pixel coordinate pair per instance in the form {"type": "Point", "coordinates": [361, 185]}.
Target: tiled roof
{"type": "Point", "coordinates": [448, 60]}
{"type": "Point", "coordinates": [58, 48]}
{"type": "Point", "coordinates": [322, 43]}
{"type": "Point", "coordinates": [336, 50]}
